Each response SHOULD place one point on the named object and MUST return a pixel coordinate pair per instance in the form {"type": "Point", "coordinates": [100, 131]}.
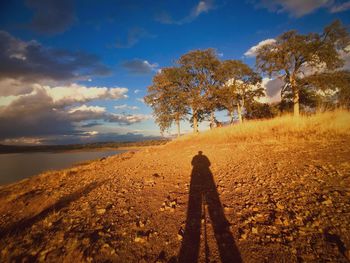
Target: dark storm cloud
{"type": "Point", "coordinates": [37, 114]}
{"type": "Point", "coordinates": [33, 62]}
{"type": "Point", "coordinates": [51, 16]}
{"type": "Point", "coordinates": [138, 66]}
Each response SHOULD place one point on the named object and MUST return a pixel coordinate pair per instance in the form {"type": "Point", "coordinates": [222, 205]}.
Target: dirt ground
{"type": "Point", "coordinates": [270, 201]}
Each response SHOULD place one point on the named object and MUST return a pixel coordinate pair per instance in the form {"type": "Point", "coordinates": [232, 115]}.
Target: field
{"type": "Point", "coordinates": [265, 191]}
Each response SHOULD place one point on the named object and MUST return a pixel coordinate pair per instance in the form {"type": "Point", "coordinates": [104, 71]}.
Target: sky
{"type": "Point", "coordinates": [76, 71]}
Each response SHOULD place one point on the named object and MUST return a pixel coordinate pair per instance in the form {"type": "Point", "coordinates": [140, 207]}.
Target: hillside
{"type": "Point", "coordinates": [266, 191]}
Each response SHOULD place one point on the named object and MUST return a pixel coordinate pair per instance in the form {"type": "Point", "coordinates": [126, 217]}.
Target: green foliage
{"type": "Point", "coordinates": [167, 98]}
{"type": "Point", "coordinates": [293, 55]}
{"type": "Point", "coordinates": [333, 86]}
{"type": "Point", "coordinates": [240, 85]}
{"type": "Point", "coordinates": [257, 110]}
{"type": "Point", "coordinates": [200, 67]}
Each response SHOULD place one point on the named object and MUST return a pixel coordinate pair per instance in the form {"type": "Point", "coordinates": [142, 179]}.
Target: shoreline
{"type": "Point", "coordinates": [14, 175]}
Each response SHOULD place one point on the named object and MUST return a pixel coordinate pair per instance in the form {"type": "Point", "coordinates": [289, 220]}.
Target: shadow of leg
{"type": "Point", "coordinates": [226, 244]}
{"type": "Point", "coordinates": [190, 245]}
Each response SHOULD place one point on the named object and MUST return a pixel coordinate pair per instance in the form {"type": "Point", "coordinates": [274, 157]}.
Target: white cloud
{"type": "Point", "coordinates": [340, 7]}
{"type": "Point", "coordinates": [85, 108]}
{"type": "Point", "coordinates": [125, 106]}
{"type": "Point", "coordinates": [91, 133]}
{"type": "Point", "coordinates": [65, 95]}
{"type": "Point", "coordinates": [273, 89]}
{"type": "Point", "coordinates": [203, 6]}
{"type": "Point", "coordinates": [140, 100]}
{"type": "Point", "coordinates": [128, 119]}
{"type": "Point", "coordinates": [136, 91]}
{"type": "Point", "coordinates": [78, 93]}
{"type": "Point", "coordinates": [252, 52]}
{"type": "Point", "coordinates": [296, 8]}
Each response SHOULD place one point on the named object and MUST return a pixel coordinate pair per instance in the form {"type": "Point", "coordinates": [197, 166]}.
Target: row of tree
{"type": "Point", "coordinates": [199, 84]}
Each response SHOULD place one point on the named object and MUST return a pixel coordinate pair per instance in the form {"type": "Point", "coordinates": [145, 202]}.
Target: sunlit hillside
{"type": "Point", "coordinates": [319, 126]}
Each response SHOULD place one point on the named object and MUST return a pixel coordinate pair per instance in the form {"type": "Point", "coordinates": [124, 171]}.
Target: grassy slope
{"type": "Point", "coordinates": [322, 126]}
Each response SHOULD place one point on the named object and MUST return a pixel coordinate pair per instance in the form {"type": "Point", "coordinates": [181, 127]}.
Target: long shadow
{"type": "Point", "coordinates": [203, 191]}
{"type": "Point", "coordinates": [21, 225]}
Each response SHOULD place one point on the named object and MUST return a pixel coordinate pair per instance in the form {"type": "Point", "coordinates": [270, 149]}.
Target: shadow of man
{"type": "Point", "coordinates": [203, 191]}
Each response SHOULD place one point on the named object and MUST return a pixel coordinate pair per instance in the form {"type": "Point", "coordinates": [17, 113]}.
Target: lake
{"type": "Point", "coordinates": [17, 166]}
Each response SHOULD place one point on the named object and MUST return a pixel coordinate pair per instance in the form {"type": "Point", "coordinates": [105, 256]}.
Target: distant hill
{"type": "Point", "coordinates": [97, 145]}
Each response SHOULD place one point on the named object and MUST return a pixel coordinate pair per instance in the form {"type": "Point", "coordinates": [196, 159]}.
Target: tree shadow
{"type": "Point", "coordinates": [203, 191]}
{"type": "Point", "coordinates": [21, 225]}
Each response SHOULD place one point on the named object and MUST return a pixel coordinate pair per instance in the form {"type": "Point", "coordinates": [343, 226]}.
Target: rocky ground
{"type": "Point", "coordinates": [278, 201]}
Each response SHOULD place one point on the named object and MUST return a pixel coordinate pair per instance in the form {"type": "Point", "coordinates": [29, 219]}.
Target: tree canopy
{"type": "Point", "coordinates": [293, 56]}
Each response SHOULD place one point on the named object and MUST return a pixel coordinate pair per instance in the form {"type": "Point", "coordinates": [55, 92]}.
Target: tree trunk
{"type": "Point", "coordinates": [296, 102]}
{"type": "Point", "coordinates": [195, 122]}
{"type": "Point", "coordinates": [212, 120]}
{"type": "Point", "coordinates": [239, 112]}
{"type": "Point", "coordinates": [231, 117]}
{"type": "Point", "coordinates": [178, 127]}
{"type": "Point", "coordinates": [295, 96]}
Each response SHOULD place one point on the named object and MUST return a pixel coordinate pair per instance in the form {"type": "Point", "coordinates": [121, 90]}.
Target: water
{"type": "Point", "coordinates": [17, 166]}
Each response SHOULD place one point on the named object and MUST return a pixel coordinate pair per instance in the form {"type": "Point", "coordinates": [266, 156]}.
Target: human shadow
{"type": "Point", "coordinates": [203, 191]}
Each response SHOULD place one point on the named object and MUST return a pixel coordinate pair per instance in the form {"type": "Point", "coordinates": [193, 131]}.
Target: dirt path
{"type": "Point", "coordinates": [255, 202]}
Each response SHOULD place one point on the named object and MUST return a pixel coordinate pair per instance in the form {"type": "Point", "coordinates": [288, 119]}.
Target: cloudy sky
{"type": "Point", "coordinates": [76, 71]}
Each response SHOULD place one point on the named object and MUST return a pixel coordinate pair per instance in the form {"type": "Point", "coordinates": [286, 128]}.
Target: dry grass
{"type": "Point", "coordinates": [321, 126]}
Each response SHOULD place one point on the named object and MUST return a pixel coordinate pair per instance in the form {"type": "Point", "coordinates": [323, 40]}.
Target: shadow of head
{"type": "Point", "coordinates": [200, 161]}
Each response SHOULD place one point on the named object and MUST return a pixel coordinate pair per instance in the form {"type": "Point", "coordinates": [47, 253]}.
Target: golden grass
{"type": "Point", "coordinates": [320, 126]}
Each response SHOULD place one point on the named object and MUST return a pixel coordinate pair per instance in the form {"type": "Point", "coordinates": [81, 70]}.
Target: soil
{"type": "Point", "coordinates": [269, 201]}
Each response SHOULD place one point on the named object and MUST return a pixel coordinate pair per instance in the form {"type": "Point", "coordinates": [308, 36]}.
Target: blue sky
{"type": "Point", "coordinates": [54, 52]}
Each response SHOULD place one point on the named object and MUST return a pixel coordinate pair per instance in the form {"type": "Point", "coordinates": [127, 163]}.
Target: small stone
{"type": "Point", "coordinates": [244, 236]}
{"type": "Point", "coordinates": [280, 206]}
{"type": "Point", "coordinates": [101, 211]}
{"type": "Point", "coordinates": [139, 240]}
{"type": "Point", "coordinates": [327, 202]}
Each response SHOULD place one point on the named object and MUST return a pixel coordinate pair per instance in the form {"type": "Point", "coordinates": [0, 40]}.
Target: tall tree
{"type": "Point", "coordinates": [239, 85]}
{"type": "Point", "coordinates": [293, 55]}
{"type": "Point", "coordinates": [167, 98]}
{"type": "Point", "coordinates": [199, 67]}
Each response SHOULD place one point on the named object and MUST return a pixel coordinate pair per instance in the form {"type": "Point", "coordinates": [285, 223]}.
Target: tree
{"type": "Point", "coordinates": [239, 85]}
{"type": "Point", "coordinates": [293, 55]}
{"type": "Point", "coordinates": [258, 110]}
{"type": "Point", "coordinates": [198, 76]}
{"type": "Point", "coordinates": [167, 98]}
{"type": "Point", "coordinates": [334, 87]}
